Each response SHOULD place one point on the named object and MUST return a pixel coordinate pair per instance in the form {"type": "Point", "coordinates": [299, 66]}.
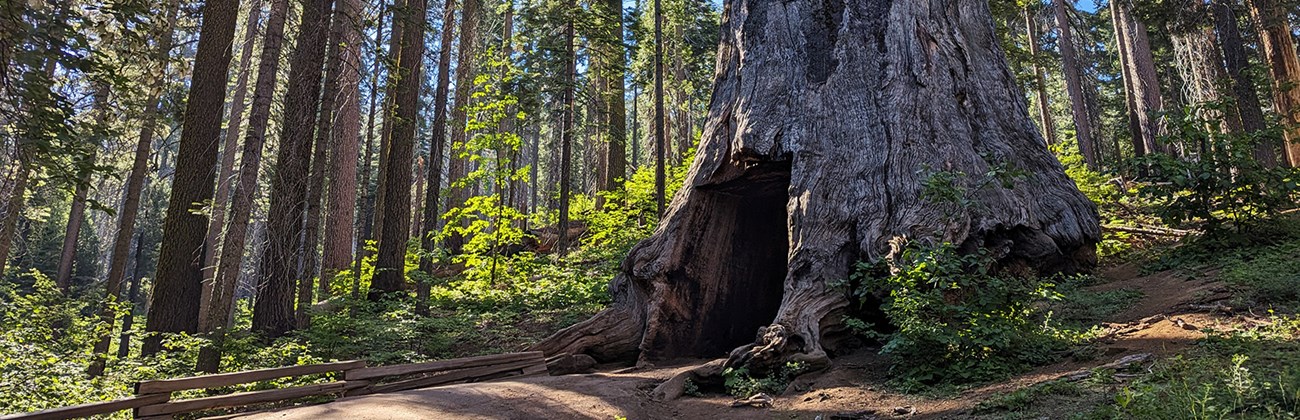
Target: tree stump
{"type": "Point", "coordinates": [828, 122]}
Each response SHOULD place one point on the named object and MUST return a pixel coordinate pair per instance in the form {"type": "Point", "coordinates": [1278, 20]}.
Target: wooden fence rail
{"type": "Point", "coordinates": [153, 398]}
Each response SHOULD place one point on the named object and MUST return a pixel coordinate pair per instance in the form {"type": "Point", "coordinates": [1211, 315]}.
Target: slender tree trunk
{"type": "Point", "coordinates": [221, 203]}
{"type": "Point", "coordinates": [566, 127]}
{"type": "Point", "coordinates": [1122, 44]}
{"type": "Point", "coordinates": [308, 257]}
{"type": "Point", "coordinates": [661, 143]}
{"type": "Point", "coordinates": [1245, 100]}
{"type": "Point", "coordinates": [273, 310]}
{"type": "Point", "coordinates": [131, 205]}
{"type": "Point", "coordinates": [366, 199]}
{"type": "Point", "coordinates": [329, 103]}
{"type": "Point", "coordinates": [1074, 84]}
{"type": "Point", "coordinates": [337, 247]}
{"type": "Point", "coordinates": [417, 199]}
{"type": "Point", "coordinates": [1145, 87]}
{"type": "Point", "coordinates": [132, 299]}
{"type": "Point", "coordinates": [615, 109]}
{"type": "Point", "coordinates": [1040, 85]}
{"type": "Point", "coordinates": [177, 286]}
{"type": "Point", "coordinates": [458, 167]}
{"type": "Point", "coordinates": [386, 126]}
{"type": "Point", "coordinates": [636, 128]}
{"type": "Point", "coordinates": [787, 195]}
{"type": "Point", "coordinates": [341, 41]}
{"type": "Point", "coordinates": [231, 142]}
{"type": "Point", "coordinates": [533, 188]}
{"type": "Point", "coordinates": [437, 146]}
{"type": "Point", "coordinates": [13, 209]}
{"type": "Point", "coordinates": [681, 110]}
{"type": "Point", "coordinates": [390, 263]}
{"type": "Point", "coordinates": [1283, 64]}
{"type": "Point", "coordinates": [241, 205]}
{"type": "Point", "coordinates": [77, 214]}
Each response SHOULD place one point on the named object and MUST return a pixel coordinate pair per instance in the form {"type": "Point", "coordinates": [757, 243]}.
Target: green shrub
{"type": "Point", "coordinates": [1217, 180]}
{"type": "Point", "coordinates": [958, 321]}
{"type": "Point", "coordinates": [741, 384]}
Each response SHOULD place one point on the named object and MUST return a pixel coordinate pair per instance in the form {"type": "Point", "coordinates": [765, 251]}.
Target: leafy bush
{"type": "Point", "coordinates": [1218, 180]}
{"type": "Point", "coordinates": [529, 281]}
{"type": "Point", "coordinates": [741, 384]}
{"type": "Point", "coordinates": [44, 352]}
{"type": "Point", "coordinates": [1118, 202]}
{"type": "Point", "coordinates": [957, 321]}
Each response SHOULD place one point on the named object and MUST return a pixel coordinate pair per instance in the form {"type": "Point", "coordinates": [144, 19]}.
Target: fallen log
{"type": "Point", "coordinates": [1147, 230]}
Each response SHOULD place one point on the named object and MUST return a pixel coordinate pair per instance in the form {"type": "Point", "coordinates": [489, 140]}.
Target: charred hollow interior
{"type": "Point", "coordinates": [736, 268]}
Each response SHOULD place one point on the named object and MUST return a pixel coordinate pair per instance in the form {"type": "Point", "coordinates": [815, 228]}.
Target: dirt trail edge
{"type": "Point", "coordinates": [1167, 320]}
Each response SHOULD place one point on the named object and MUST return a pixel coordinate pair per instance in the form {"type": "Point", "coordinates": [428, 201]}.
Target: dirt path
{"type": "Point", "coordinates": [1164, 322]}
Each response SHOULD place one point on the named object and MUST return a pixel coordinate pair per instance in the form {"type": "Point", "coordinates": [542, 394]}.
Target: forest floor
{"type": "Point", "coordinates": [1172, 314]}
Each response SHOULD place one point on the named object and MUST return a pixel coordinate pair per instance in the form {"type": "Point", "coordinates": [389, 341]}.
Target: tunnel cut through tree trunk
{"type": "Point", "coordinates": [828, 118]}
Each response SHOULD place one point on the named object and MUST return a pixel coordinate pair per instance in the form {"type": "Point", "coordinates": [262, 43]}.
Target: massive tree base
{"type": "Point", "coordinates": [836, 126]}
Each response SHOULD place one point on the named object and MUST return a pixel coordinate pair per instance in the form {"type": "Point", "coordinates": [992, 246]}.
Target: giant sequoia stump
{"type": "Point", "coordinates": [826, 121]}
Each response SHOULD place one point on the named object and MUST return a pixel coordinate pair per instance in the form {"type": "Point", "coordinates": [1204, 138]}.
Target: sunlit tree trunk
{"type": "Point", "coordinates": [273, 310]}
{"type": "Point", "coordinates": [225, 175]}
{"type": "Point", "coordinates": [77, 213]}
{"type": "Point", "coordinates": [344, 138]}
{"type": "Point", "coordinates": [614, 107]}
{"type": "Point", "coordinates": [178, 283]}
{"type": "Point", "coordinates": [458, 167]}
{"type": "Point", "coordinates": [394, 229]}
{"type": "Point", "coordinates": [566, 133]}
{"type": "Point", "coordinates": [1074, 83]}
{"type": "Point", "coordinates": [660, 137]}
{"type": "Point", "coordinates": [437, 147]}
{"type": "Point", "coordinates": [233, 242]}
{"type": "Point", "coordinates": [366, 197]}
{"type": "Point", "coordinates": [1283, 64]}
{"type": "Point", "coordinates": [1245, 100]}
{"type": "Point", "coordinates": [1143, 86]}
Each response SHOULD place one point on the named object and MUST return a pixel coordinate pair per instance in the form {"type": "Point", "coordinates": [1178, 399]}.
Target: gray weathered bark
{"type": "Point", "coordinates": [825, 119]}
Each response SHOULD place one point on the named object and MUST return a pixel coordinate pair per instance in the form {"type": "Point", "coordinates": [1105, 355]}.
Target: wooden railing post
{"type": "Point", "coordinates": [153, 401]}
